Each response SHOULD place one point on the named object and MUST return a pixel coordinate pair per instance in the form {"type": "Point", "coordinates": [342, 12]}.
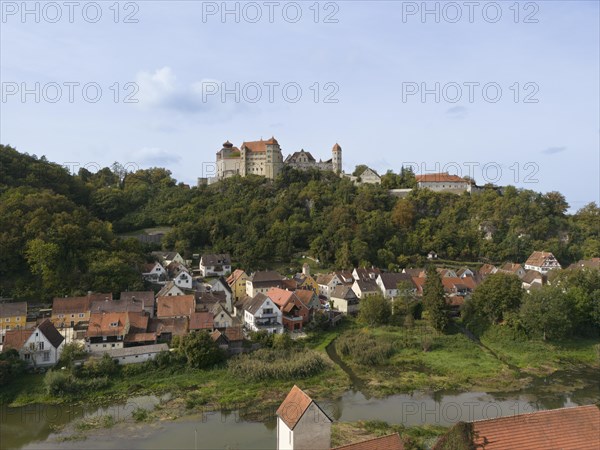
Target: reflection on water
{"type": "Point", "coordinates": [21, 427]}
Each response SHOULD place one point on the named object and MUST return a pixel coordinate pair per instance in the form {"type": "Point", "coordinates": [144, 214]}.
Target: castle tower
{"type": "Point", "coordinates": [305, 269]}
{"type": "Point", "coordinates": [336, 160]}
{"type": "Point", "coordinates": [274, 158]}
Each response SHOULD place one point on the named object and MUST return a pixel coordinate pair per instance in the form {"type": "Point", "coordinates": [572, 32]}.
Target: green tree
{"type": "Point", "coordinates": [374, 310]}
{"type": "Point", "coordinates": [499, 294]}
{"type": "Point", "coordinates": [546, 313]}
{"type": "Point", "coordinates": [200, 350]}
{"type": "Point", "coordinates": [434, 300]}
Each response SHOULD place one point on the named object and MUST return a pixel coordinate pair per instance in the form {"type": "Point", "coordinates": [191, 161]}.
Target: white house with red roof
{"type": "Point", "coordinates": [443, 182]}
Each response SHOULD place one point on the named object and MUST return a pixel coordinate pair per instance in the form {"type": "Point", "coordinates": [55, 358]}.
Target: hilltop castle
{"type": "Point", "coordinates": [264, 158]}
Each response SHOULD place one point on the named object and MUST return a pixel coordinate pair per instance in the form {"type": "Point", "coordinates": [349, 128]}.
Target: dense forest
{"type": "Point", "coordinates": [59, 233]}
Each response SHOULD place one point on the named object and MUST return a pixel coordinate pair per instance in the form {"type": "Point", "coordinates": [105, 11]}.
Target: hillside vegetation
{"type": "Point", "coordinates": [59, 232]}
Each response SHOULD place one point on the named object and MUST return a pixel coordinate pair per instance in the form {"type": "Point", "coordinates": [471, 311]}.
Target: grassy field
{"type": "Point", "coordinates": [537, 357]}
{"type": "Point", "coordinates": [451, 361]}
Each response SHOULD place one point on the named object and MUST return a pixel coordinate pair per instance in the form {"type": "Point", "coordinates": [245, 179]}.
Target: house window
{"type": "Point", "coordinates": [7, 319]}
{"type": "Point", "coordinates": [18, 319]}
{"type": "Point", "coordinates": [72, 315]}
{"type": "Point", "coordinates": [46, 356]}
{"type": "Point", "coordinates": [27, 356]}
{"type": "Point", "coordinates": [40, 346]}
{"type": "Point", "coordinates": [81, 315]}
{"type": "Point", "coordinates": [114, 324]}
{"type": "Point", "coordinates": [60, 316]}
{"type": "Point", "coordinates": [8, 327]}
{"type": "Point", "coordinates": [268, 311]}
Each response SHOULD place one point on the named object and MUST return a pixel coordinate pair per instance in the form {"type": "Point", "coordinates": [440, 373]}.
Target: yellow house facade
{"type": "Point", "coordinates": [237, 283]}
{"type": "Point", "coordinates": [13, 316]}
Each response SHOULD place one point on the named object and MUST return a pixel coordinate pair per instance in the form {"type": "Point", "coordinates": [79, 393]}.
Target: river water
{"type": "Point", "coordinates": [31, 427]}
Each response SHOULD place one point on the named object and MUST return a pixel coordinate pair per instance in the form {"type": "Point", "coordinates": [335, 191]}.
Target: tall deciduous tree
{"type": "Point", "coordinates": [375, 310]}
{"type": "Point", "coordinates": [434, 300]}
{"type": "Point", "coordinates": [498, 295]}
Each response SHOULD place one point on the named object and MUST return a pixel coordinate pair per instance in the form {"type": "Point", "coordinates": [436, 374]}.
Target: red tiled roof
{"type": "Point", "coordinates": [294, 406]}
{"type": "Point", "coordinates": [71, 305]}
{"type": "Point", "coordinates": [259, 146]}
{"type": "Point", "coordinates": [440, 178]}
{"type": "Point", "coordinates": [234, 276]}
{"type": "Point", "coordinates": [16, 339]}
{"type": "Point", "coordinates": [566, 428]}
{"type": "Point", "coordinates": [390, 442]}
{"type": "Point", "coordinates": [280, 297]}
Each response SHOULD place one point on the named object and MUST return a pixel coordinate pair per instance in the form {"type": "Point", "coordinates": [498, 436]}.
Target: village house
{"type": "Point", "coordinates": [68, 312]}
{"type": "Point", "coordinates": [135, 355]}
{"type": "Point", "coordinates": [216, 265]}
{"type": "Point", "coordinates": [109, 330]}
{"type": "Point", "coordinates": [167, 258]}
{"type": "Point", "coordinates": [304, 280]}
{"type": "Point", "coordinates": [231, 339]}
{"type": "Point", "coordinates": [202, 321]}
{"type": "Point", "coordinates": [328, 282]}
{"type": "Point", "coordinates": [237, 283]}
{"type": "Point", "coordinates": [388, 283]}
{"type": "Point", "coordinates": [261, 282]}
{"type": "Point", "coordinates": [542, 262]}
{"type": "Point", "coordinates": [309, 298]}
{"type": "Point", "coordinates": [512, 268]}
{"type": "Point", "coordinates": [180, 275]}
{"type": "Point", "coordinates": [38, 347]}
{"type": "Point", "coordinates": [261, 313]}
{"type": "Point", "coordinates": [146, 298]}
{"type": "Point", "coordinates": [487, 269]}
{"type": "Point", "coordinates": [365, 273]}
{"type": "Point", "coordinates": [365, 288]}
{"type": "Point", "coordinates": [170, 289]}
{"type": "Point", "coordinates": [345, 300]}
{"type": "Point", "coordinates": [220, 285]}
{"type": "Point", "coordinates": [295, 314]}
{"type": "Point", "coordinates": [458, 286]}
{"type": "Point", "coordinates": [367, 176]}
{"type": "Point", "coordinates": [180, 306]}
{"type": "Point", "coordinates": [166, 328]}
{"type": "Point", "coordinates": [443, 182]}
{"type": "Point", "coordinates": [576, 428]}
{"type": "Point", "coordinates": [154, 273]}
{"type": "Point", "coordinates": [13, 316]}
{"type": "Point", "coordinates": [221, 317]}
{"type": "Point", "coordinates": [532, 280]}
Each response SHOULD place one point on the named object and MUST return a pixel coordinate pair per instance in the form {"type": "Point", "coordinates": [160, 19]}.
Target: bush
{"type": "Point", "coordinates": [139, 415]}
{"type": "Point", "coordinates": [267, 364]}
{"type": "Point", "coordinates": [58, 382]}
{"type": "Point", "coordinates": [364, 349]}
{"type": "Point", "coordinates": [11, 366]}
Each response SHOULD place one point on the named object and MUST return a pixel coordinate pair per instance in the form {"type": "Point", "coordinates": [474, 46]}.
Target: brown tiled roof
{"type": "Point", "coordinates": [264, 276]}
{"type": "Point", "coordinates": [175, 306]}
{"type": "Point", "coordinates": [234, 334]}
{"type": "Point", "coordinates": [13, 309]}
{"type": "Point", "coordinates": [100, 324]}
{"type": "Point", "coordinates": [510, 267]}
{"type": "Point", "coordinates": [48, 329]}
{"type": "Point", "coordinates": [390, 442]}
{"type": "Point", "coordinates": [141, 337]}
{"type": "Point", "coordinates": [336, 148]}
{"type": "Point", "coordinates": [71, 305]}
{"type": "Point", "coordinates": [538, 258]}
{"type": "Point", "coordinates": [177, 326]}
{"type": "Point", "coordinates": [566, 428]}
{"type": "Point", "coordinates": [294, 406]}
{"type": "Point", "coordinates": [415, 272]}
{"type": "Point", "coordinates": [487, 269]}
{"type": "Point", "coordinates": [304, 295]}
{"type": "Point", "coordinates": [216, 259]}
{"type": "Point", "coordinates": [531, 275]}
{"type": "Point", "coordinates": [15, 339]}
{"type": "Point", "coordinates": [201, 321]}
{"type": "Point", "coordinates": [391, 280]}
{"type": "Point", "coordinates": [593, 263]}
{"type": "Point", "coordinates": [440, 178]}
{"type": "Point", "coordinates": [166, 288]}
{"type": "Point", "coordinates": [344, 292]}
{"type": "Point", "coordinates": [115, 306]}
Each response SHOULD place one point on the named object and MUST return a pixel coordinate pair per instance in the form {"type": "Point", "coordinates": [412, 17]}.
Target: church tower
{"type": "Point", "coordinates": [336, 160]}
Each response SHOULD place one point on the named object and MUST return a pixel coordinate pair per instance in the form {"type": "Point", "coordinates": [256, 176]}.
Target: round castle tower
{"type": "Point", "coordinates": [336, 160]}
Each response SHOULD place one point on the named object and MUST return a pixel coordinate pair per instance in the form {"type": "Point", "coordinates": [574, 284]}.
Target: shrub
{"type": "Point", "coordinates": [364, 349]}
{"type": "Point", "coordinates": [139, 414]}
{"type": "Point", "coordinates": [58, 382]}
{"type": "Point", "coordinates": [266, 364]}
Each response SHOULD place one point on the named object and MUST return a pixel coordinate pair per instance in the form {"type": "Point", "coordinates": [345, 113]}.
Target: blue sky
{"type": "Point", "coordinates": [365, 57]}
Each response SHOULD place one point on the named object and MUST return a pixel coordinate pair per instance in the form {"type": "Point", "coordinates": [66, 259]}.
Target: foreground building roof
{"type": "Point", "coordinates": [389, 442]}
